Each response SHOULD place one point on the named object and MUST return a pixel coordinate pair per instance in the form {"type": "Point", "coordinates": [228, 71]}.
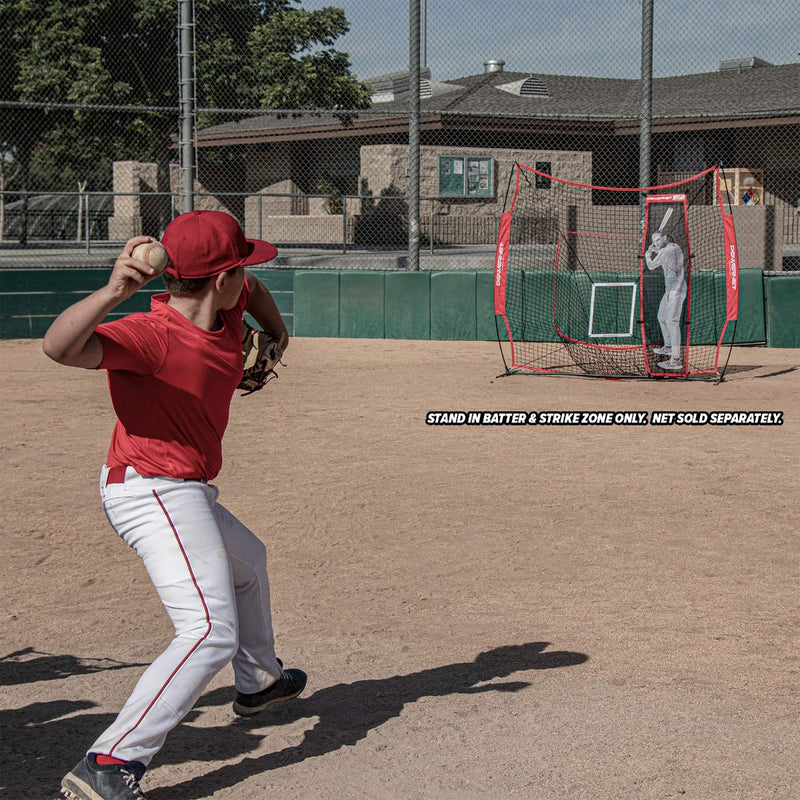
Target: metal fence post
{"type": "Point", "coordinates": [645, 103]}
{"type": "Point", "coordinates": [187, 98]}
{"type": "Point", "coordinates": [87, 226]}
{"type": "Point", "coordinates": [413, 136]}
{"type": "Point", "coordinates": [344, 224]}
{"type": "Point", "coordinates": [433, 218]}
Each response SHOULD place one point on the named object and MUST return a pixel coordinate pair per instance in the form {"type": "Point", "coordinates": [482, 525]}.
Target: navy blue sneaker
{"type": "Point", "coordinates": [92, 781]}
{"type": "Point", "coordinates": [288, 686]}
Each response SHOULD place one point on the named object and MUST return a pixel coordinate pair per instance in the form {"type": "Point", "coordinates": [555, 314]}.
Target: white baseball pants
{"type": "Point", "coordinates": [669, 319]}
{"type": "Point", "coordinates": [210, 573]}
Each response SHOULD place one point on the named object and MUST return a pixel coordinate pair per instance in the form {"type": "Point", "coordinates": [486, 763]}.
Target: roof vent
{"type": "Point", "coordinates": [493, 65]}
{"type": "Point", "coordinates": [529, 87]}
{"type": "Point", "coordinates": [533, 87]}
{"type": "Point", "coordinates": [740, 64]}
{"type": "Point", "coordinates": [386, 88]}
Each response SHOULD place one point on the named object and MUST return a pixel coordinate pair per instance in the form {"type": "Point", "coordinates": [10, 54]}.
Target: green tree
{"type": "Point", "coordinates": [250, 54]}
{"type": "Point", "coordinates": [282, 56]}
{"type": "Point", "coordinates": [21, 127]}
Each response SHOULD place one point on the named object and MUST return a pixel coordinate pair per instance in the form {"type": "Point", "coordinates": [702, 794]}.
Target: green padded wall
{"type": "Point", "coordinates": [782, 295]}
{"type": "Point", "coordinates": [484, 307]}
{"type": "Point", "coordinates": [704, 328]}
{"type": "Point", "coordinates": [281, 286]}
{"type": "Point", "coordinates": [751, 325]}
{"type": "Point", "coordinates": [30, 299]}
{"type": "Point", "coordinates": [533, 327]}
{"type": "Point", "coordinates": [453, 313]}
{"type": "Point", "coordinates": [407, 305]}
{"type": "Point", "coordinates": [361, 305]}
{"type": "Point", "coordinates": [394, 304]}
{"type": "Point", "coordinates": [316, 303]}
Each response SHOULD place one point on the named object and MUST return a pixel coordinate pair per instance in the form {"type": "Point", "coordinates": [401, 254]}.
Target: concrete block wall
{"type": "Point", "coordinates": [384, 170]}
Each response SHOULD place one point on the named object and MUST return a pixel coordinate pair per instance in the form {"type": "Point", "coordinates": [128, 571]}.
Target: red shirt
{"type": "Point", "coordinates": [171, 385]}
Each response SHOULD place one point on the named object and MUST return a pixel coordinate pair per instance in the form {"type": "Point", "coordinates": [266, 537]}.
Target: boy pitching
{"type": "Point", "coordinates": [172, 373]}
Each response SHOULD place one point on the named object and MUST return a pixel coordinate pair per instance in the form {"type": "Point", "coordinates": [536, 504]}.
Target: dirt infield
{"type": "Point", "coordinates": [607, 612]}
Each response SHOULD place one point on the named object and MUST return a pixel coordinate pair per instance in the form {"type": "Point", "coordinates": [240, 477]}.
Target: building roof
{"type": "Point", "coordinates": [758, 94]}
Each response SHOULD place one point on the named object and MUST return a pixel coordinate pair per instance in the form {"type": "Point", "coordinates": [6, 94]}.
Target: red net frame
{"type": "Point", "coordinates": [562, 248]}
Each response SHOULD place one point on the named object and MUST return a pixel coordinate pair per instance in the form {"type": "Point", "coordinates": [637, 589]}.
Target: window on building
{"type": "Point", "coordinates": [543, 181]}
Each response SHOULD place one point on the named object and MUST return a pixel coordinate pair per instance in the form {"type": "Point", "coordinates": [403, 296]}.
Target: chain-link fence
{"type": "Point", "coordinates": [300, 119]}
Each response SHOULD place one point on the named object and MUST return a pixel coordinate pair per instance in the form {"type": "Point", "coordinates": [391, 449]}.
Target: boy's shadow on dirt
{"type": "Point", "coordinates": [42, 740]}
{"type": "Point", "coordinates": [31, 666]}
{"type": "Point", "coordinates": [345, 712]}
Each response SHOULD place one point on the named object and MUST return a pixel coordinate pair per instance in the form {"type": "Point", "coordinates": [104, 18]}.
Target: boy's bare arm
{"type": "Point", "coordinates": [71, 340]}
{"type": "Point", "coordinates": [264, 310]}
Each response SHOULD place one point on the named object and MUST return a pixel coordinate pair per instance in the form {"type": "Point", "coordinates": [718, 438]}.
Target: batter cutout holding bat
{"type": "Point", "coordinates": [665, 254]}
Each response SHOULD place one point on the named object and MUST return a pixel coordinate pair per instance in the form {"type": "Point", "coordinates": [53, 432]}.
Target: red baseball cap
{"type": "Point", "coordinates": [201, 244]}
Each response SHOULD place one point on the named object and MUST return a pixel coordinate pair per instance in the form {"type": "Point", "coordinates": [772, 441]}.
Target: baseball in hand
{"type": "Point", "coordinates": [153, 254]}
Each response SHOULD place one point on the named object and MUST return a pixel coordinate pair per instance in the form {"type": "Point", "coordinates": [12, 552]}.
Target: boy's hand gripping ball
{"type": "Point", "coordinates": [153, 254]}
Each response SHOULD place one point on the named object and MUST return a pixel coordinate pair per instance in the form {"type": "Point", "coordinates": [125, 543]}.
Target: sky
{"type": "Point", "coordinates": [598, 38]}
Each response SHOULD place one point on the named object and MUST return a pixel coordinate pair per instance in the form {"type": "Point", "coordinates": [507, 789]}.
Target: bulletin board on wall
{"type": "Point", "coordinates": [466, 176]}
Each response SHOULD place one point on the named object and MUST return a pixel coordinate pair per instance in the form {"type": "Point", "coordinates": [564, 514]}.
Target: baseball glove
{"type": "Point", "coordinates": [261, 353]}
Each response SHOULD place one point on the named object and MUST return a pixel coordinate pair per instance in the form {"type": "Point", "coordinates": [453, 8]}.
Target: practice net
{"type": "Point", "coordinates": [616, 282]}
